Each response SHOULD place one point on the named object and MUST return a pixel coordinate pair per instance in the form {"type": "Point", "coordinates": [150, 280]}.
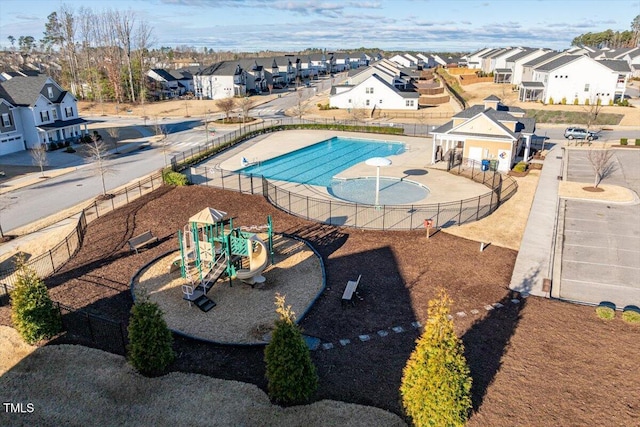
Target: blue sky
{"type": "Point", "coordinates": [424, 25]}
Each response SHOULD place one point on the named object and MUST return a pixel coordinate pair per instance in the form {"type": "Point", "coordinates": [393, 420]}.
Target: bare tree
{"type": "Point", "coordinates": [124, 28]}
{"type": "Point", "coordinates": [97, 151]}
{"type": "Point", "coordinates": [226, 105]}
{"type": "Point", "coordinates": [162, 131]}
{"type": "Point", "coordinates": [303, 103]}
{"type": "Point", "coordinates": [39, 157]}
{"type": "Point", "coordinates": [114, 133]}
{"type": "Point", "coordinates": [592, 110]}
{"type": "Point", "coordinates": [245, 104]}
{"type": "Point", "coordinates": [358, 111]}
{"type": "Point", "coordinates": [601, 163]}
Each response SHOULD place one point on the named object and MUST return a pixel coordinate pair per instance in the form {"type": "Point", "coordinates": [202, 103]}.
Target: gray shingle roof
{"type": "Point", "coordinates": [618, 65]}
{"type": "Point", "coordinates": [526, 125]}
{"type": "Point", "coordinates": [519, 55]}
{"type": "Point", "coordinates": [540, 59]}
{"type": "Point", "coordinates": [224, 68]}
{"type": "Point", "coordinates": [24, 90]}
{"type": "Point", "coordinates": [558, 62]}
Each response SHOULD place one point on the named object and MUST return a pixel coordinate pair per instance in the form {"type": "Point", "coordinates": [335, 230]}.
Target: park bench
{"type": "Point", "coordinates": [139, 241]}
{"type": "Point", "coordinates": [350, 290]}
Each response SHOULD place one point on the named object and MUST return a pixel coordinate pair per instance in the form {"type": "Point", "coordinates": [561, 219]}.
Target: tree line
{"type": "Point", "coordinates": [611, 39]}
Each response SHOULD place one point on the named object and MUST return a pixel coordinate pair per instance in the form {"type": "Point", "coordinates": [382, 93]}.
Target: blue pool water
{"type": "Point", "coordinates": [317, 164]}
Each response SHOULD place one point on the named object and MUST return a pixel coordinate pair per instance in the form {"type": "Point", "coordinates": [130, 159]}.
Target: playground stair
{"type": "Point", "coordinates": [200, 300]}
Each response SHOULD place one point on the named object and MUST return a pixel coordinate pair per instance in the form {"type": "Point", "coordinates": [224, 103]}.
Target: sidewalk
{"type": "Point", "coordinates": [534, 261]}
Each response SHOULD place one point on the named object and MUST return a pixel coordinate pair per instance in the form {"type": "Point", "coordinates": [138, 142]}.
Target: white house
{"type": "Point", "coordinates": [373, 92]}
{"type": "Point", "coordinates": [515, 62]}
{"type": "Point", "coordinates": [579, 79]}
{"type": "Point", "coordinates": [403, 61]}
{"type": "Point", "coordinates": [221, 80]}
{"type": "Point", "coordinates": [35, 110]}
{"type": "Point", "coordinates": [367, 72]}
{"type": "Point", "coordinates": [474, 59]}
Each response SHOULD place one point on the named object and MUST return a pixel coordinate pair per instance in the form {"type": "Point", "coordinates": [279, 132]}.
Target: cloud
{"type": "Point", "coordinates": [28, 17]}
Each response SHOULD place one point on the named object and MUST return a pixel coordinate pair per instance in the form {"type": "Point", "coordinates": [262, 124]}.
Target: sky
{"type": "Point", "coordinates": [293, 25]}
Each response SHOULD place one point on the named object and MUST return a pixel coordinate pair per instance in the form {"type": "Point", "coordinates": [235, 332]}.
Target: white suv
{"type": "Point", "coordinates": [579, 133]}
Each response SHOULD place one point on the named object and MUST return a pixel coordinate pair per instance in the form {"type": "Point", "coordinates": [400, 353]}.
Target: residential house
{"type": "Point", "coordinates": [403, 61]}
{"type": "Point", "coordinates": [579, 79]}
{"type": "Point", "coordinates": [515, 62]}
{"type": "Point", "coordinates": [36, 111]}
{"type": "Point", "coordinates": [491, 131]}
{"type": "Point", "coordinates": [322, 62]}
{"type": "Point", "coordinates": [221, 80]}
{"type": "Point", "coordinates": [474, 60]}
{"type": "Point", "coordinates": [342, 61]}
{"type": "Point", "coordinates": [489, 59]}
{"type": "Point", "coordinates": [171, 83]}
{"type": "Point", "coordinates": [372, 93]}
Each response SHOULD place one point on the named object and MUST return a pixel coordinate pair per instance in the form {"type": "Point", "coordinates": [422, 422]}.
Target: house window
{"type": "Point", "coordinates": [349, 101]}
{"type": "Point", "coordinates": [380, 102]}
{"type": "Point", "coordinates": [369, 90]}
{"type": "Point", "coordinates": [409, 103]}
{"type": "Point", "coordinates": [586, 87]}
{"type": "Point", "coordinates": [6, 120]}
{"type": "Point", "coordinates": [50, 91]}
{"type": "Point", "coordinates": [620, 78]}
{"type": "Point", "coordinates": [367, 103]}
{"type": "Point", "coordinates": [54, 114]}
{"type": "Point", "coordinates": [44, 116]}
{"type": "Point", "coordinates": [68, 111]}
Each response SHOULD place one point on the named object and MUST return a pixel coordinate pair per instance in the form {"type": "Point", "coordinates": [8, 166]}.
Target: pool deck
{"type": "Point", "coordinates": [413, 164]}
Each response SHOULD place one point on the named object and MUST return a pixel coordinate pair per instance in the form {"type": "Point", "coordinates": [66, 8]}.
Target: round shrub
{"type": "Point", "coordinates": [175, 178]}
{"type": "Point", "coordinates": [32, 311]}
{"type": "Point", "coordinates": [520, 167]}
{"type": "Point", "coordinates": [150, 349]}
{"type": "Point", "coordinates": [605, 313]}
{"type": "Point", "coordinates": [631, 316]}
{"type": "Point", "coordinates": [291, 374]}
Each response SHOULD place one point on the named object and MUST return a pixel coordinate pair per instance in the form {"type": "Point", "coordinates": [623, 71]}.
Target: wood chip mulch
{"type": "Point", "coordinates": [534, 362]}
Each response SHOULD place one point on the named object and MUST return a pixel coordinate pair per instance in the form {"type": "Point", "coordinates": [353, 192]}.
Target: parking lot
{"type": "Point", "coordinates": [601, 246]}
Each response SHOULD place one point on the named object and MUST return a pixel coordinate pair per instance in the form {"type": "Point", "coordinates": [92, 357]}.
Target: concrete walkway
{"type": "Point", "coordinates": [534, 262]}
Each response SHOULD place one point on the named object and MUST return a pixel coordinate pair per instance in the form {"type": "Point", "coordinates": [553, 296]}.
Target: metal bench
{"type": "Point", "coordinates": [350, 290]}
{"type": "Point", "coordinates": [141, 240]}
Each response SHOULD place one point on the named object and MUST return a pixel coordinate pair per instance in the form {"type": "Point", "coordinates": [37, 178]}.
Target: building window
{"type": "Point", "coordinates": [6, 120]}
{"type": "Point", "coordinates": [620, 78]}
{"type": "Point", "coordinates": [369, 90]}
{"type": "Point", "coordinates": [409, 103]}
{"type": "Point", "coordinates": [367, 103]}
{"type": "Point", "coordinates": [349, 101]}
{"type": "Point", "coordinates": [68, 111]}
{"type": "Point", "coordinates": [586, 87]}
{"type": "Point", "coordinates": [44, 116]}
{"type": "Point", "coordinates": [50, 91]}
{"type": "Point", "coordinates": [380, 102]}
{"type": "Point", "coordinates": [54, 114]}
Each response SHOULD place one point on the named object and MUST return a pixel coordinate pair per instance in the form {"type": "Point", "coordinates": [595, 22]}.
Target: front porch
{"type": "Point", "coordinates": [62, 132]}
{"type": "Point", "coordinates": [531, 91]}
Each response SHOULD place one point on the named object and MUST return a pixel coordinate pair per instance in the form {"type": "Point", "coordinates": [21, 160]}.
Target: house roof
{"type": "Point", "coordinates": [63, 123]}
{"type": "Point", "coordinates": [558, 62]}
{"type": "Point", "coordinates": [504, 70]}
{"type": "Point", "coordinates": [492, 98]}
{"type": "Point", "coordinates": [532, 85]}
{"type": "Point", "coordinates": [224, 68]}
{"type": "Point", "coordinates": [164, 74]}
{"type": "Point", "coordinates": [618, 65]}
{"type": "Point", "coordinates": [408, 95]}
{"type": "Point", "coordinates": [24, 90]}
{"type": "Point", "coordinates": [523, 125]}
{"type": "Point", "coordinates": [519, 55]}
{"type": "Point", "coordinates": [541, 59]}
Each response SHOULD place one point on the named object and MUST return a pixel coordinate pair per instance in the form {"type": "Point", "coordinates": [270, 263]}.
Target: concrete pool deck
{"type": "Point", "coordinates": [413, 164]}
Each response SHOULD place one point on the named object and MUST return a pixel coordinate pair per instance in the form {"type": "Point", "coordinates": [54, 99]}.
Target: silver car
{"type": "Point", "coordinates": [580, 133]}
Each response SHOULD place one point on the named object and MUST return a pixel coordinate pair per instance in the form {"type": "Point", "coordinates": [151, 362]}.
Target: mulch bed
{"type": "Point", "coordinates": [537, 362]}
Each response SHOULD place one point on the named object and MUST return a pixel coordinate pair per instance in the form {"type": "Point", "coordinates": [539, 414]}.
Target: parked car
{"type": "Point", "coordinates": [580, 133]}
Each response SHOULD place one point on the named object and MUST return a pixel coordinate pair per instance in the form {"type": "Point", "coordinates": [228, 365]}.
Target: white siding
{"type": "Point", "coordinates": [372, 93]}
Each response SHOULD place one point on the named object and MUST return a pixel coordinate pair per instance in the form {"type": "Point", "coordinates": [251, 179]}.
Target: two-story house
{"type": "Point", "coordinates": [36, 110]}
{"type": "Point", "coordinates": [221, 80]}
{"type": "Point", "coordinates": [579, 79]}
{"type": "Point", "coordinates": [372, 93]}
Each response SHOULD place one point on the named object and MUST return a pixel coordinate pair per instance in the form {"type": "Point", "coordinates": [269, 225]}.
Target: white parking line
{"type": "Point", "coordinates": [602, 264]}
{"type": "Point", "coordinates": [604, 234]}
{"type": "Point", "coordinates": [600, 247]}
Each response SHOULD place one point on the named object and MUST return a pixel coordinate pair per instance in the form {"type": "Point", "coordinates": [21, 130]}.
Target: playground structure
{"type": "Point", "coordinates": [210, 247]}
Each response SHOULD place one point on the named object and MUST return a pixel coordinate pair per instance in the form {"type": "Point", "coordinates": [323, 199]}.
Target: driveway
{"type": "Point", "coordinates": [600, 258]}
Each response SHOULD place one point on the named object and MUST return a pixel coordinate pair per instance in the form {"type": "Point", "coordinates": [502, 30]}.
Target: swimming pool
{"type": "Point", "coordinates": [317, 164]}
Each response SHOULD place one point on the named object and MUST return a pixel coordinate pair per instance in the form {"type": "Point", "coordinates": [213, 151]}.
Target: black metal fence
{"type": "Point", "coordinates": [386, 217]}
{"type": "Point", "coordinates": [49, 262]}
{"type": "Point", "coordinates": [92, 330]}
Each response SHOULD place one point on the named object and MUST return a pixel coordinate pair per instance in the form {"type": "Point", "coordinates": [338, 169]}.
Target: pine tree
{"type": "Point", "coordinates": [291, 375]}
{"type": "Point", "coordinates": [32, 311]}
{"type": "Point", "coordinates": [150, 340]}
{"type": "Point", "coordinates": [436, 385]}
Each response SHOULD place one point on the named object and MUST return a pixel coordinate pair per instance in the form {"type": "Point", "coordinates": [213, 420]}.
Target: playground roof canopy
{"type": "Point", "coordinates": [208, 216]}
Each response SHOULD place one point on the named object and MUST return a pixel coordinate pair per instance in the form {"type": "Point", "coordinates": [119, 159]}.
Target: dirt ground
{"type": "Point", "coordinates": [532, 362]}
